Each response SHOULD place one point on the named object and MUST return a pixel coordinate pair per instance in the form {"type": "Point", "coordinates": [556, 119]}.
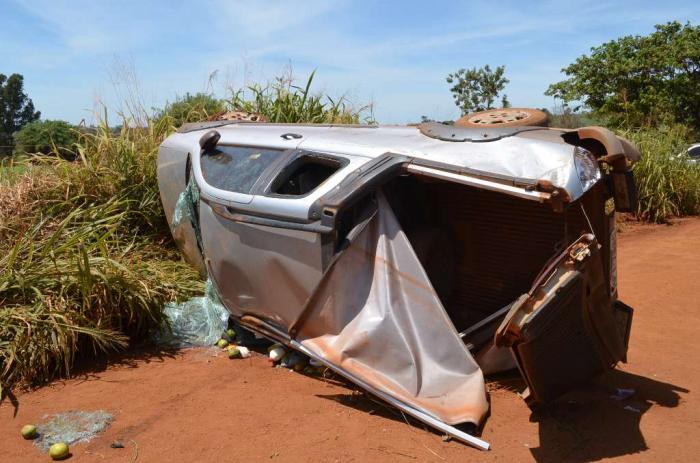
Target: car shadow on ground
{"type": "Point", "coordinates": [587, 424]}
{"type": "Point", "coordinates": [590, 424]}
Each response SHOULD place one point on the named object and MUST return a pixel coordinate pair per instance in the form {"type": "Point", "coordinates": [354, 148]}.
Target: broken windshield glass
{"type": "Point", "coordinates": [237, 168]}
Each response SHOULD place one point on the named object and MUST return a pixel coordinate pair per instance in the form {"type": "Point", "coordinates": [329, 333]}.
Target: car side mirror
{"type": "Point", "coordinates": [208, 141]}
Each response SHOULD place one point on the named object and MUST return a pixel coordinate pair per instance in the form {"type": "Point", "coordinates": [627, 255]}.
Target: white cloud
{"type": "Point", "coordinates": [263, 19]}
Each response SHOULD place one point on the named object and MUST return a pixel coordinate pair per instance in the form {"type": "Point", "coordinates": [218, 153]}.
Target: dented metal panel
{"type": "Point", "coordinates": [265, 271]}
{"type": "Point", "coordinates": [564, 330]}
{"type": "Point", "coordinates": [376, 315]}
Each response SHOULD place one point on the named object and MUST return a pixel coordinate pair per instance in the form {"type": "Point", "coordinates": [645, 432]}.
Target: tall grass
{"type": "Point", "coordinates": [668, 184]}
{"type": "Point", "coordinates": [283, 101]}
{"type": "Point", "coordinates": [87, 262]}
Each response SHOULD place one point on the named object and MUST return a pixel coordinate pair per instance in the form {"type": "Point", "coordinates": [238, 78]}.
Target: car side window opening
{"type": "Point", "coordinates": [237, 168]}
{"type": "Point", "coordinates": [694, 152]}
{"type": "Point", "coordinates": [304, 174]}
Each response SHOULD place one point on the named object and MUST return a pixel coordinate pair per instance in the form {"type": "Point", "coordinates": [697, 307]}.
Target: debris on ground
{"type": "Point", "coordinates": [276, 352]}
{"type": "Point", "coordinates": [238, 352]}
{"type": "Point", "coordinates": [70, 427]}
{"type": "Point", "coordinates": [622, 394]}
{"type": "Point", "coordinates": [116, 445]}
{"type": "Point", "coordinates": [229, 335]}
{"type": "Point", "coordinates": [294, 360]}
{"type": "Point", "coordinates": [198, 321]}
{"type": "Point", "coordinates": [59, 451]}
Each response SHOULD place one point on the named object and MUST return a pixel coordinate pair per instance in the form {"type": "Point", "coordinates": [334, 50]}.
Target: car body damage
{"type": "Point", "coordinates": [413, 260]}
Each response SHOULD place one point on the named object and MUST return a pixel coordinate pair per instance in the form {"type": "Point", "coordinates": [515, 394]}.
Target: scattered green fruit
{"type": "Point", "coordinates": [234, 353]}
{"type": "Point", "coordinates": [29, 431]}
{"type": "Point", "coordinates": [222, 343]}
{"type": "Point", "coordinates": [58, 451]}
{"type": "Point", "coordinates": [231, 333]}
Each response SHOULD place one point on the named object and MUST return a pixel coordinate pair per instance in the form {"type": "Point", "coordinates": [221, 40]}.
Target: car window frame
{"type": "Point", "coordinates": [257, 202]}
{"type": "Point", "coordinates": [265, 185]}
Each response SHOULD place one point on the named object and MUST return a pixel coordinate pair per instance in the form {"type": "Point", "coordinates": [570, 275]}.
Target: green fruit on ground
{"type": "Point", "coordinates": [58, 451]}
{"type": "Point", "coordinates": [29, 431]}
{"type": "Point", "coordinates": [233, 353]}
{"type": "Point", "coordinates": [222, 343]}
{"type": "Point", "coordinates": [231, 333]}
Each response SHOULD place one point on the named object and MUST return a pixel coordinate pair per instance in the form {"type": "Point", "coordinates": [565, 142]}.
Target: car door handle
{"type": "Point", "coordinates": [291, 136]}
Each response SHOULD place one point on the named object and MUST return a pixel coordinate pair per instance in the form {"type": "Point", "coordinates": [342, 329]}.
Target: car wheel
{"type": "Point", "coordinates": [504, 117]}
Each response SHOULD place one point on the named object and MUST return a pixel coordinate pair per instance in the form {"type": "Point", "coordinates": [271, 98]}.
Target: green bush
{"type": "Point", "coordinates": [192, 108]}
{"type": "Point", "coordinates": [46, 137]}
{"type": "Point", "coordinates": [668, 184]}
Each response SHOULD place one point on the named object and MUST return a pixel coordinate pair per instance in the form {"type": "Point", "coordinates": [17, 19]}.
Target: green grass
{"type": "Point", "coordinates": [668, 185]}
{"type": "Point", "coordinates": [10, 170]}
{"type": "Point", "coordinates": [86, 259]}
{"type": "Point", "coordinates": [282, 101]}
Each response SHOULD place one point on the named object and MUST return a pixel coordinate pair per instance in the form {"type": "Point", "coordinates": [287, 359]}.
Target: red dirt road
{"type": "Point", "coordinates": [196, 405]}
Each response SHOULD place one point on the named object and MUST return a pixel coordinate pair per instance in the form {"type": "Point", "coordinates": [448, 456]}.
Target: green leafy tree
{"type": "Point", "coordinates": [193, 108]}
{"type": "Point", "coordinates": [46, 137]}
{"type": "Point", "coordinates": [16, 109]}
{"type": "Point", "coordinates": [477, 89]}
{"type": "Point", "coordinates": [639, 80]}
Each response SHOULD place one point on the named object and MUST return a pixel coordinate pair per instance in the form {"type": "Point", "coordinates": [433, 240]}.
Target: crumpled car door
{"type": "Point", "coordinates": [567, 328]}
{"type": "Point", "coordinates": [376, 317]}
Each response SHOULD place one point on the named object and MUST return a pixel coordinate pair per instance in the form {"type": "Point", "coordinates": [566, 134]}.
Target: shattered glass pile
{"type": "Point", "coordinates": [70, 427]}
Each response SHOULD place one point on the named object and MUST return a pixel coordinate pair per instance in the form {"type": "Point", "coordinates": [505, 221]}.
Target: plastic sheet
{"type": "Point", "coordinates": [198, 321]}
{"type": "Point", "coordinates": [72, 426]}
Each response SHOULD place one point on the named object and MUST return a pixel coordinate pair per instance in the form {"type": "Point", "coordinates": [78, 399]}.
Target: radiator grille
{"type": "Point", "coordinates": [500, 243]}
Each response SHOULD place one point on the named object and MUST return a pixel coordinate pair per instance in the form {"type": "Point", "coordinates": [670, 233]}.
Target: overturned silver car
{"type": "Point", "coordinates": [414, 260]}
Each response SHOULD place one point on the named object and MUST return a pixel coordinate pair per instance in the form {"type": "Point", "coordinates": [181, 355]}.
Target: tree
{"type": "Point", "coordinates": [639, 80]}
{"type": "Point", "coordinates": [46, 137]}
{"type": "Point", "coordinates": [477, 89]}
{"type": "Point", "coordinates": [16, 109]}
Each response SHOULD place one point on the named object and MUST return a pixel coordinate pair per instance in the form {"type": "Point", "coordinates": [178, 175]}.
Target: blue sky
{"type": "Point", "coordinates": [395, 54]}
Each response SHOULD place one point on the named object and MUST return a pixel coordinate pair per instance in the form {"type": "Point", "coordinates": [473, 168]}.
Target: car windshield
{"type": "Point", "coordinates": [236, 168]}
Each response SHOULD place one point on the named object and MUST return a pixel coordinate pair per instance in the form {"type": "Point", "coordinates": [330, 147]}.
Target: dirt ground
{"type": "Point", "coordinates": [196, 405]}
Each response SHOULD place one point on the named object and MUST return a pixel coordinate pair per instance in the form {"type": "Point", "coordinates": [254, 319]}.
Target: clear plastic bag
{"type": "Point", "coordinates": [198, 321]}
